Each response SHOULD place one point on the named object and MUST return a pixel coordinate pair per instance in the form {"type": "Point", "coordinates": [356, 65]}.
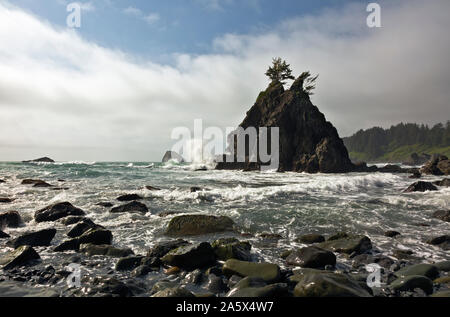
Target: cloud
{"type": "Point", "coordinates": [66, 97]}
{"type": "Point", "coordinates": [150, 18]}
{"type": "Point", "coordinates": [133, 11]}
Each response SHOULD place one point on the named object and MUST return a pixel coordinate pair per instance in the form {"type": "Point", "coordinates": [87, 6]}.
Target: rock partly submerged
{"type": "Point", "coordinates": [35, 239]}
{"type": "Point", "coordinates": [268, 272]}
{"type": "Point", "coordinates": [133, 206]}
{"type": "Point", "coordinates": [23, 255]}
{"type": "Point", "coordinates": [171, 155]}
{"type": "Point", "coordinates": [421, 187]}
{"type": "Point", "coordinates": [192, 225]}
{"type": "Point", "coordinates": [40, 160]}
{"type": "Point", "coordinates": [437, 165]}
{"type": "Point", "coordinates": [191, 257]}
{"type": "Point", "coordinates": [57, 211]}
{"type": "Point", "coordinates": [10, 219]}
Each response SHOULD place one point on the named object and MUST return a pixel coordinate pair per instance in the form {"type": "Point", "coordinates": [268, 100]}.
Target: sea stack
{"type": "Point", "coordinates": [171, 155]}
{"type": "Point", "coordinates": [308, 143]}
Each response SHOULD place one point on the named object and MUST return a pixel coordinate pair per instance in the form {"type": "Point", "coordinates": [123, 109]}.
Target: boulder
{"type": "Point", "coordinates": [82, 227]}
{"type": "Point", "coordinates": [21, 256]}
{"type": "Point", "coordinates": [311, 238]}
{"type": "Point", "coordinates": [191, 257]}
{"type": "Point", "coordinates": [162, 248]}
{"type": "Point", "coordinates": [105, 204]}
{"type": "Point", "coordinates": [441, 241]}
{"type": "Point", "coordinates": [347, 245]}
{"type": "Point", "coordinates": [10, 219]}
{"type": "Point", "coordinates": [3, 235]}
{"type": "Point", "coordinates": [40, 160]}
{"type": "Point", "coordinates": [256, 288]}
{"type": "Point", "coordinates": [311, 257]}
{"type": "Point", "coordinates": [57, 211]}
{"type": "Point", "coordinates": [428, 270]}
{"type": "Point", "coordinates": [329, 285]}
{"type": "Point", "coordinates": [133, 206]}
{"type": "Point", "coordinates": [192, 225]}
{"type": "Point", "coordinates": [232, 248]}
{"type": "Point", "coordinates": [307, 142]}
{"type": "Point", "coordinates": [2, 181]}
{"type": "Point", "coordinates": [416, 159]}
{"type": "Point", "coordinates": [171, 155]}
{"type": "Point", "coordinates": [443, 215]}
{"type": "Point", "coordinates": [71, 220]}
{"type": "Point", "coordinates": [391, 233]}
{"type": "Point", "coordinates": [362, 260]}
{"type": "Point", "coordinates": [46, 185]}
{"type": "Point", "coordinates": [269, 272]}
{"type": "Point", "coordinates": [128, 263]}
{"type": "Point", "coordinates": [129, 197]}
{"type": "Point", "coordinates": [34, 239]}
{"type": "Point", "coordinates": [106, 250]}
{"type": "Point", "coordinates": [437, 165]}
{"type": "Point", "coordinates": [420, 187]}
{"type": "Point", "coordinates": [443, 266]}
{"type": "Point", "coordinates": [411, 282]}
{"type": "Point", "coordinates": [35, 183]}
{"type": "Point", "coordinates": [151, 188]}
{"type": "Point", "coordinates": [92, 236]}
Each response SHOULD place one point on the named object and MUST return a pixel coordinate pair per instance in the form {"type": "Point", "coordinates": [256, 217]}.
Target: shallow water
{"type": "Point", "coordinates": [289, 204]}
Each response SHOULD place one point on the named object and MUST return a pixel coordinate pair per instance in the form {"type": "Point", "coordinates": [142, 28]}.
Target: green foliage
{"type": "Point", "coordinates": [397, 143]}
{"type": "Point", "coordinates": [309, 82]}
{"type": "Point", "coordinates": [279, 71]}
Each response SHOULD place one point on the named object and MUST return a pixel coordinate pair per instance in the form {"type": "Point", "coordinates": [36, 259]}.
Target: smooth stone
{"type": "Point", "coordinates": [57, 211]}
{"type": "Point", "coordinates": [128, 263]}
{"type": "Point", "coordinates": [443, 266]}
{"type": "Point", "coordinates": [232, 248]}
{"type": "Point", "coordinates": [409, 283]}
{"type": "Point", "coordinates": [34, 239]}
{"type": "Point", "coordinates": [311, 257]}
{"type": "Point", "coordinates": [92, 236]}
{"type": "Point", "coordinates": [23, 255]}
{"type": "Point", "coordinates": [391, 234]}
{"type": "Point", "coordinates": [269, 272]}
{"type": "Point", "coordinates": [133, 206]}
{"type": "Point", "coordinates": [162, 248]}
{"type": "Point", "coordinates": [364, 259]}
{"type": "Point", "coordinates": [82, 227]}
{"type": "Point", "coordinates": [215, 284]}
{"type": "Point", "coordinates": [4, 235]}
{"type": "Point", "coordinates": [329, 285]}
{"type": "Point", "coordinates": [311, 238]}
{"type": "Point", "coordinates": [428, 270]}
{"type": "Point", "coordinates": [347, 245]}
{"type": "Point", "coordinates": [106, 250]}
{"type": "Point", "coordinates": [191, 257]}
{"type": "Point", "coordinates": [256, 287]}
{"type": "Point", "coordinates": [192, 225]}
{"type": "Point", "coordinates": [10, 219]}
{"type": "Point", "coordinates": [129, 197]}
{"type": "Point", "coordinates": [421, 187]}
{"type": "Point", "coordinates": [174, 292]}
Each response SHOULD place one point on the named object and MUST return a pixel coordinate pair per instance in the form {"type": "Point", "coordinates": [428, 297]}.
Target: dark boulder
{"type": "Point", "coordinates": [231, 248]}
{"type": "Point", "coordinates": [311, 238]}
{"type": "Point", "coordinates": [269, 272]}
{"type": "Point", "coordinates": [10, 219]}
{"type": "Point", "coordinates": [128, 263]}
{"type": "Point", "coordinates": [19, 257]}
{"type": "Point", "coordinates": [251, 287]}
{"type": "Point", "coordinates": [391, 233]}
{"type": "Point", "coordinates": [349, 244]}
{"type": "Point", "coordinates": [162, 248]}
{"type": "Point", "coordinates": [133, 206]}
{"type": "Point", "coordinates": [421, 187]}
{"type": "Point", "coordinates": [307, 142]}
{"type": "Point", "coordinates": [129, 197]}
{"type": "Point", "coordinates": [151, 188]}
{"type": "Point", "coordinates": [443, 183]}
{"type": "Point", "coordinates": [3, 235]}
{"type": "Point", "coordinates": [71, 220]}
{"type": "Point", "coordinates": [191, 225]}
{"type": "Point", "coordinates": [92, 236]}
{"type": "Point", "coordinates": [6, 200]}
{"type": "Point", "coordinates": [409, 283]}
{"type": "Point", "coordinates": [429, 270]}
{"type": "Point", "coordinates": [191, 257]}
{"type": "Point", "coordinates": [437, 165]}
{"type": "Point", "coordinates": [416, 159]}
{"type": "Point", "coordinates": [46, 185]}
{"type": "Point", "coordinates": [105, 204]}
{"type": "Point", "coordinates": [441, 241]}
{"type": "Point", "coordinates": [106, 250]}
{"type": "Point", "coordinates": [34, 239]}
{"type": "Point", "coordinates": [57, 211]}
{"type": "Point", "coordinates": [311, 257]}
{"type": "Point", "coordinates": [82, 227]}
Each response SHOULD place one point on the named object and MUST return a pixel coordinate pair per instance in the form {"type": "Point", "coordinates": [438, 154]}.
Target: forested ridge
{"type": "Point", "coordinates": [397, 143]}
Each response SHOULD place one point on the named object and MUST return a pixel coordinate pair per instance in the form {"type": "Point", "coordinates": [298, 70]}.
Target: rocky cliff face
{"type": "Point", "coordinates": [308, 143]}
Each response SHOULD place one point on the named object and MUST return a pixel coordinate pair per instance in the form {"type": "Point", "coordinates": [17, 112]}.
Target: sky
{"type": "Point", "coordinates": [116, 87]}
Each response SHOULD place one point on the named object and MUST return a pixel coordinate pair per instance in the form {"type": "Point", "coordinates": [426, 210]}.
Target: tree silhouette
{"type": "Point", "coordinates": [279, 71]}
{"type": "Point", "coordinates": [309, 82]}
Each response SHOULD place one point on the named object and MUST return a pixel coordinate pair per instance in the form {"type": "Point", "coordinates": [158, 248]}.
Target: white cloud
{"type": "Point", "coordinates": [152, 18]}
{"type": "Point", "coordinates": [63, 96]}
{"type": "Point", "coordinates": [133, 11]}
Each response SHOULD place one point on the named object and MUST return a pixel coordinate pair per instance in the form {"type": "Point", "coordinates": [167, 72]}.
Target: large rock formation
{"type": "Point", "coordinates": [40, 160]}
{"type": "Point", "coordinates": [171, 155]}
{"type": "Point", "coordinates": [437, 165]}
{"type": "Point", "coordinates": [307, 142]}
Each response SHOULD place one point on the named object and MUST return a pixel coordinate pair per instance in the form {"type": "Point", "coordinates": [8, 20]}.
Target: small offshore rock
{"type": "Point", "coordinates": [162, 248]}
{"type": "Point", "coordinates": [347, 244]}
{"type": "Point", "coordinates": [82, 227]}
{"type": "Point", "coordinates": [4, 235]}
{"type": "Point", "coordinates": [443, 215]}
{"type": "Point", "coordinates": [133, 206]}
{"type": "Point", "coordinates": [428, 270]}
{"type": "Point", "coordinates": [391, 233]}
{"type": "Point", "coordinates": [151, 188]}
{"type": "Point", "coordinates": [57, 211]}
{"type": "Point", "coordinates": [443, 183]}
{"type": "Point", "coordinates": [128, 263]}
{"type": "Point", "coordinates": [191, 225]}
{"type": "Point", "coordinates": [232, 248]}
{"type": "Point", "coordinates": [420, 187]}
{"type": "Point", "coordinates": [6, 200]}
{"type": "Point", "coordinates": [129, 197]}
{"type": "Point", "coordinates": [106, 250]}
{"type": "Point", "coordinates": [443, 266]}
{"type": "Point", "coordinates": [105, 204]}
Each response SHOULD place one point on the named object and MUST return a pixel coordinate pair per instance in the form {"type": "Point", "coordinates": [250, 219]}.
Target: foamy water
{"type": "Point", "coordinates": [289, 204]}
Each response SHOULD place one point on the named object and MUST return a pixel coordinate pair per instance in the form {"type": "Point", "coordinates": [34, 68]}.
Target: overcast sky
{"type": "Point", "coordinates": [114, 89]}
